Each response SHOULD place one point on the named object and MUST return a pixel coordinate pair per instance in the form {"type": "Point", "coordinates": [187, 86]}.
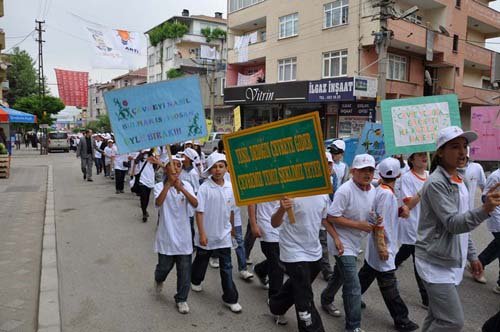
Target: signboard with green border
{"type": "Point", "coordinates": [411, 125]}
{"type": "Point", "coordinates": [283, 158]}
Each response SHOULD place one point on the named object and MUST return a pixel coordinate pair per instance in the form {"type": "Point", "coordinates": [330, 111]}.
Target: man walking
{"type": "Point", "coordinates": [85, 150]}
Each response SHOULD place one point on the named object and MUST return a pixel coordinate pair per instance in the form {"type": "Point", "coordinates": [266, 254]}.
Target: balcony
{"type": "Point", "coordinates": [478, 96]}
{"type": "Point", "coordinates": [478, 55]}
{"type": "Point", "coordinates": [404, 89]}
{"type": "Point", "coordinates": [484, 19]}
{"type": "Point", "coordinates": [408, 36]}
{"type": "Point", "coordinates": [256, 52]}
{"type": "Point", "coordinates": [197, 39]}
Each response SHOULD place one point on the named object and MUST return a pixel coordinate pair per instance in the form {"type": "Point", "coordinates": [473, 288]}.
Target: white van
{"type": "Point", "coordinates": [58, 140]}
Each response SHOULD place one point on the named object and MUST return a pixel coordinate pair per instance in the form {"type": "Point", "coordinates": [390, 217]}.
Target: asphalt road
{"type": "Point", "coordinates": [106, 264]}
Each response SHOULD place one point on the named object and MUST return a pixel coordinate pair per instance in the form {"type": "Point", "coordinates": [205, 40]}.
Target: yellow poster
{"type": "Point", "coordinates": [209, 129]}
{"type": "Point", "coordinates": [237, 118]}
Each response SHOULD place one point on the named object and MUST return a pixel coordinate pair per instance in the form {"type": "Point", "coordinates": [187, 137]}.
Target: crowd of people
{"type": "Point", "coordinates": [397, 207]}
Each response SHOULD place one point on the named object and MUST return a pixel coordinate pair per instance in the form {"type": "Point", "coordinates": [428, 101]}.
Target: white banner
{"type": "Point", "coordinates": [130, 42]}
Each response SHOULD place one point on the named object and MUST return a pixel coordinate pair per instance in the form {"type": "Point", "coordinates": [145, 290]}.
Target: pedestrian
{"type": "Point", "coordinates": [240, 248]}
{"type": "Point", "coordinates": [121, 166]}
{"type": "Point", "coordinates": [382, 246]}
{"type": "Point", "coordinates": [145, 166]}
{"type": "Point", "coordinates": [98, 154]}
{"type": "Point", "coordinates": [411, 184]}
{"type": "Point", "coordinates": [174, 199]}
{"type": "Point", "coordinates": [215, 226]}
{"type": "Point", "coordinates": [492, 251]}
{"type": "Point", "coordinates": [474, 174]}
{"type": "Point", "coordinates": [300, 253]}
{"type": "Point", "coordinates": [349, 212]}
{"type": "Point", "coordinates": [19, 137]}
{"type": "Point", "coordinates": [191, 174]}
{"type": "Point", "coordinates": [109, 155]}
{"type": "Point", "coordinates": [85, 151]}
{"type": "Point", "coordinates": [443, 244]}
{"type": "Point", "coordinates": [197, 147]}
{"type": "Point", "coordinates": [337, 149]}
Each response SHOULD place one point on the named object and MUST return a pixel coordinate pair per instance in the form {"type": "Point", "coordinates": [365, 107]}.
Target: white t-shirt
{"type": "Point", "coordinates": [173, 236]}
{"type": "Point", "coordinates": [494, 221]}
{"type": "Point", "coordinates": [340, 169]}
{"type": "Point", "coordinates": [410, 185]}
{"type": "Point", "coordinates": [299, 242]}
{"type": "Point", "coordinates": [386, 205]}
{"type": "Point", "coordinates": [192, 176]}
{"type": "Point", "coordinates": [147, 175]}
{"type": "Point", "coordinates": [264, 212]}
{"type": "Point", "coordinates": [109, 152]}
{"type": "Point", "coordinates": [474, 174]}
{"type": "Point", "coordinates": [352, 203]}
{"type": "Point", "coordinates": [438, 274]}
{"type": "Point", "coordinates": [216, 203]}
{"type": "Point", "coordinates": [97, 154]}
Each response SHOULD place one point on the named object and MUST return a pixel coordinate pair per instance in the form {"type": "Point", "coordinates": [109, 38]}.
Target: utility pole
{"type": "Point", "coordinates": [41, 78]}
{"type": "Point", "coordinates": [381, 43]}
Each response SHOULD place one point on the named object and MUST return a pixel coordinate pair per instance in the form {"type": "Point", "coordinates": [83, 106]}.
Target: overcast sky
{"type": "Point", "coordinates": [66, 44]}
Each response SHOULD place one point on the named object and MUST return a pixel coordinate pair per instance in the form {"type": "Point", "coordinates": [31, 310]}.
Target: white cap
{"type": "Point", "coordinates": [212, 159]}
{"type": "Point", "coordinates": [363, 161]}
{"type": "Point", "coordinates": [166, 160]}
{"type": "Point", "coordinates": [389, 168]}
{"type": "Point", "coordinates": [450, 133]}
{"type": "Point", "coordinates": [329, 157]}
{"type": "Point", "coordinates": [339, 144]}
{"type": "Point", "coordinates": [188, 142]}
{"type": "Point", "coordinates": [191, 154]}
{"type": "Point", "coordinates": [196, 142]}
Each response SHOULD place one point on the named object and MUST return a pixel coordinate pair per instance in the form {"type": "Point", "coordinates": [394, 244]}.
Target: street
{"type": "Point", "coordinates": [106, 261]}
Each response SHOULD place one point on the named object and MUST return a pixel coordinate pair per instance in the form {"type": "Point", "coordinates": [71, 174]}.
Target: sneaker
{"type": "Point", "coordinates": [196, 288]}
{"type": "Point", "coordinates": [480, 278]}
{"type": "Point", "coordinates": [234, 307]}
{"type": "Point", "coordinates": [183, 307]}
{"type": "Point", "coordinates": [158, 287]}
{"type": "Point", "coordinates": [406, 327]}
{"type": "Point", "coordinates": [90, 180]}
{"type": "Point", "coordinates": [249, 261]}
{"type": "Point", "coordinates": [245, 275]}
{"type": "Point", "coordinates": [280, 320]}
{"type": "Point", "coordinates": [332, 310]}
{"type": "Point", "coordinates": [213, 262]}
{"type": "Point", "coordinates": [496, 289]}
{"type": "Point", "coordinates": [144, 219]}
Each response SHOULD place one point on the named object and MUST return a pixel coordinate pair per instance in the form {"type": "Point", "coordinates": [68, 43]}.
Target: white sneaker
{"type": "Point", "coordinates": [234, 307]}
{"type": "Point", "coordinates": [214, 263]}
{"type": "Point", "coordinates": [245, 275]}
{"type": "Point", "coordinates": [158, 287]}
{"type": "Point", "coordinates": [280, 320]}
{"type": "Point", "coordinates": [196, 288]}
{"type": "Point", "coordinates": [480, 278]}
{"type": "Point", "coordinates": [496, 289]}
{"type": "Point", "coordinates": [183, 307]}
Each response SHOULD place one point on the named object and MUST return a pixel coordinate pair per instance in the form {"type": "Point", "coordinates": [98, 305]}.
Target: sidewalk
{"type": "Point", "coordinates": [22, 207]}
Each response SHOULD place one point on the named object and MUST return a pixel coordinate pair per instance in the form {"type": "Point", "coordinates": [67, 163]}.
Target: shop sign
{"type": "Point", "coordinates": [365, 86]}
{"type": "Point", "coordinates": [331, 89]}
{"type": "Point", "coordinates": [366, 109]}
{"type": "Point", "coordinates": [267, 93]}
{"type": "Point", "coordinates": [282, 158]}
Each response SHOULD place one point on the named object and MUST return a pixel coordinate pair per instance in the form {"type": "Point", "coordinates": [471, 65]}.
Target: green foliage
{"type": "Point", "coordinates": [168, 30]}
{"type": "Point", "coordinates": [42, 108]}
{"type": "Point", "coordinates": [214, 34]}
{"type": "Point", "coordinates": [174, 73]}
{"type": "Point", "coordinates": [21, 75]}
{"type": "Point", "coordinates": [77, 130]}
{"type": "Point", "coordinates": [3, 149]}
{"type": "Point", "coordinates": [101, 125]}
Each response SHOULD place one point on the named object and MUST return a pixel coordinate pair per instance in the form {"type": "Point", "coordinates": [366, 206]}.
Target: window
{"type": "Point", "coordinates": [222, 85]}
{"type": "Point", "coordinates": [336, 13]}
{"type": "Point", "coordinates": [458, 3]}
{"type": "Point", "coordinates": [414, 18]}
{"type": "Point", "coordinates": [97, 100]}
{"type": "Point", "coordinates": [289, 25]}
{"type": "Point", "coordinates": [126, 83]}
{"type": "Point", "coordinates": [169, 53]}
{"type": "Point", "coordinates": [235, 5]}
{"type": "Point", "coordinates": [455, 43]}
{"type": "Point", "coordinates": [335, 64]}
{"type": "Point", "coordinates": [287, 69]}
{"type": "Point", "coordinates": [396, 67]}
{"type": "Point", "coordinates": [151, 60]}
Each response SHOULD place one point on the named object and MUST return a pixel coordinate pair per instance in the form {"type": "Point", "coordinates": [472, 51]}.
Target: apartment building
{"type": "Point", "coordinates": [4, 84]}
{"type": "Point", "coordinates": [281, 55]}
{"type": "Point", "coordinates": [184, 55]}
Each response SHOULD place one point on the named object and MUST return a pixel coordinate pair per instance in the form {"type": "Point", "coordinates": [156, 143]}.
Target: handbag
{"type": "Point", "coordinates": [137, 177]}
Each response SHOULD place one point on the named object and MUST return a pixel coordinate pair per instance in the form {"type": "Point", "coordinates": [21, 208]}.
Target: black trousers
{"type": "Point", "coordinates": [249, 241]}
{"type": "Point", "coordinates": [491, 252]}
{"type": "Point", "coordinates": [403, 254]}
{"type": "Point", "coordinates": [492, 324]}
{"type": "Point", "coordinates": [297, 291]}
{"type": "Point", "coordinates": [119, 179]}
{"type": "Point", "coordinates": [271, 266]}
{"type": "Point", "coordinates": [144, 193]}
{"type": "Point", "coordinates": [388, 285]}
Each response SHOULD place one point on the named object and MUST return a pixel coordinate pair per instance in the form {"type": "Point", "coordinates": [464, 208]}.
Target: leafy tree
{"type": "Point", "coordinates": [215, 34]}
{"type": "Point", "coordinates": [167, 30]}
{"type": "Point", "coordinates": [102, 124]}
{"type": "Point", "coordinates": [174, 73]}
{"type": "Point", "coordinates": [43, 108]}
{"type": "Point", "coordinates": [21, 75]}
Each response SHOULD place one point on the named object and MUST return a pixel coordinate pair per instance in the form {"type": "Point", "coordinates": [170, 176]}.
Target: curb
{"type": "Point", "coordinates": [49, 315]}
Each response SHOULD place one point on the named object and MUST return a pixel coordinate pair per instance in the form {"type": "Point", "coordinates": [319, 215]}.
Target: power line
{"type": "Point", "coordinates": [22, 41]}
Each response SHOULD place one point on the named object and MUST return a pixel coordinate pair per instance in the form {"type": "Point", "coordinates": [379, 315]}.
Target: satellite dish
{"type": "Point", "coordinates": [428, 78]}
{"type": "Point", "coordinates": [444, 31]}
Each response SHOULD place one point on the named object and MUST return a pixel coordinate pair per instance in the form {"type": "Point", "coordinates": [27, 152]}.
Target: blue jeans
{"type": "Point", "coordinates": [199, 268]}
{"type": "Point", "coordinates": [240, 250]}
{"type": "Point", "coordinates": [345, 273]}
{"type": "Point", "coordinates": [183, 267]}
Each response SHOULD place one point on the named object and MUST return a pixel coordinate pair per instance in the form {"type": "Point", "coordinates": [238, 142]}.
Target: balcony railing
{"type": "Point", "coordinates": [478, 54]}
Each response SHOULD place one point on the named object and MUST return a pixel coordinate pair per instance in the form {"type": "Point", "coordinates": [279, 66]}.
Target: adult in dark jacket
{"type": "Point", "coordinates": [85, 151]}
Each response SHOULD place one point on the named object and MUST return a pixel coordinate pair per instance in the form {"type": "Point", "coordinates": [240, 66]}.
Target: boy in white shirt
{"type": "Point", "coordinates": [349, 213]}
{"type": "Point", "coordinates": [474, 174]}
{"type": "Point", "coordinates": [300, 253]}
{"type": "Point", "coordinates": [215, 226]}
{"type": "Point", "coordinates": [382, 247]}
{"type": "Point", "coordinates": [340, 168]}
{"type": "Point", "coordinates": [173, 199]}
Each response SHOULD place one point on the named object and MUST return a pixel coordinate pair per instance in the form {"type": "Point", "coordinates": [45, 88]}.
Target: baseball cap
{"type": "Point", "coordinates": [166, 160]}
{"type": "Point", "coordinates": [329, 157]}
{"type": "Point", "coordinates": [389, 168]}
{"type": "Point", "coordinates": [191, 154]}
{"type": "Point", "coordinates": [196, 142]}
{"type": "Point", "coordinates": [338, 146]}
{"type": "Point", "coordinates": [450, 133]}
{"type": "Point", "coordinates": [188, 142]}
{"type": "Point", "coordinates": [363, 161]}
{"type": "Point", "coordinates": [212, 159]}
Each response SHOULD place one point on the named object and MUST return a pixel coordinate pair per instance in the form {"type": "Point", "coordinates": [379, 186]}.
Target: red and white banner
{"type": "Point", "coordinates": [73, 87]}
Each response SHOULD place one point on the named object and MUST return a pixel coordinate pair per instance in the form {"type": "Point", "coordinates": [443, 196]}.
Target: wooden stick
{"type": "Point", "coordinates": [291, 215]}
{"type": "Point", "coordinates": [169, 153]}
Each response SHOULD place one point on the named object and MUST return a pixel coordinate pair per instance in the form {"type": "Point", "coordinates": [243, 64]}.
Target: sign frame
{"type": "Point", "coordinates": [314, 117]}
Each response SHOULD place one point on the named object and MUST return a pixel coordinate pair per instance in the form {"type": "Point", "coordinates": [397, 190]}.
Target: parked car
{"type": "Point", "coordinates": [213, 142]}
{"type": "Point", "coordinates": [58, 140]}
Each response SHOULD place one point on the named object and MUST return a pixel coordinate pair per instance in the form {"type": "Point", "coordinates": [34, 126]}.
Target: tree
{"type": "Point", "coordinates": [21, 75]}
{"type": "Point", "coordinates": [174, 73]}
{"type": "Point", "coordinates": [101, 125]}
{"type": "Point", "coordinates": [215, 34]}
{"type": "Point", "coordinates": [43, 108]}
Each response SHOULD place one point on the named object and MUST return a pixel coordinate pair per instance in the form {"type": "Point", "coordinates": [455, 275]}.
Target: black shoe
{"type": "Point", "coordinates": [84, 176]}
{"type": "Point", "coordinates": [144, 219]}
{"type": "Point", "coordinates": [406, 327]}
{"type": "Point", "coordinates": [90, 180]}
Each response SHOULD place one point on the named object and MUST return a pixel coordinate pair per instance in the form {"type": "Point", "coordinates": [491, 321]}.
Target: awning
{"type": "Point", "coordinates": [10, 115]}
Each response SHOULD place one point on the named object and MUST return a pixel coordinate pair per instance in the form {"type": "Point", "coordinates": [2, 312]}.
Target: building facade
{"type": "Point", "coordinates": [283, 42]}
{"type": "Point", "coordinates": [4, 84]}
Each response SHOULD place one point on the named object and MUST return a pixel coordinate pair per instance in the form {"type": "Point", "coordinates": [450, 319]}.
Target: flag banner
{"type": "Point", "coordinates": [106, 54]}
{"type": "Point", "coordinates": [150, 115]}
{"type": "Point", "coordinates": [130, 42]}
{"type": "Point", "coordinates": [411, 125]}
{"type": "Point", "coordinates": [372, 141]}
{"type": "Point", "coordinates": [73, 87]}
{"type": "Point", "coordinates": [282, 158]}
{"type": "Point", "coordinates": [485, 121]}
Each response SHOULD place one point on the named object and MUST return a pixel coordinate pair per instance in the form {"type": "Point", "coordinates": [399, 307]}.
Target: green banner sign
{"type": "Point", "coordinates": [411, 125]}
{"type": "Point", "coordinates": [283, 158]}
